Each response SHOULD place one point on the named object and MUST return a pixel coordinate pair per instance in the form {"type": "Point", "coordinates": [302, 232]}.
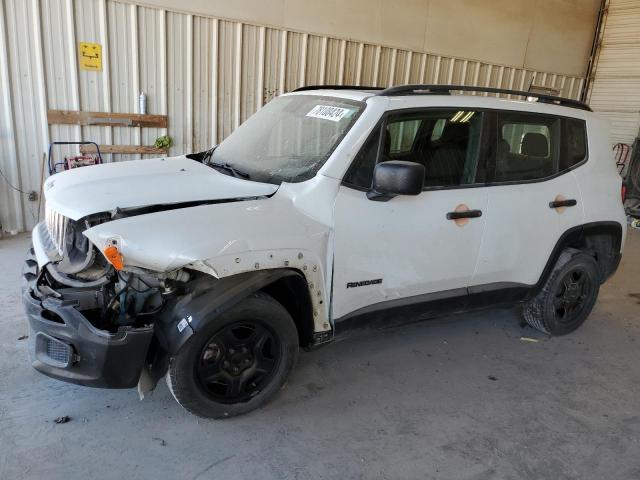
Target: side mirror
{"type": "Point", "coordinates": [396, 177]}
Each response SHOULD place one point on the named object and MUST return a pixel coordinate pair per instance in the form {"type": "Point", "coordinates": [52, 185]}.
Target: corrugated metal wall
{"type": "Point", "coordinates": [615, 90]}
{"type": "Point", "coordinates": [208, 75]}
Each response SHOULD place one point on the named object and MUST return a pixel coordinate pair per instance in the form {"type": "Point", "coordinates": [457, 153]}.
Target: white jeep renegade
{"type": "Point", "coordinates": [330, 204]}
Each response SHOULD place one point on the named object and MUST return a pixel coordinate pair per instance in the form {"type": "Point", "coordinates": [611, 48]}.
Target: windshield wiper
{"type": "Point", "coordinates": [228, 168]}
{"type": "Point", "coordinates": [208, 154]}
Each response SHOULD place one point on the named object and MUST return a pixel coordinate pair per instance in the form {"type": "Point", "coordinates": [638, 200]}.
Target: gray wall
{"type": "Point", "coordinates": [548, 35]}
{"type": "Point", "coordinates": [208, 74]}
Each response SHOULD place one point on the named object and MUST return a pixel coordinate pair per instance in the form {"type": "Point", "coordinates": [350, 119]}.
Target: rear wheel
{"type": "Point", "coordinates": [568, 296]}
{"type": "Point", "coordinates": [237, 362]}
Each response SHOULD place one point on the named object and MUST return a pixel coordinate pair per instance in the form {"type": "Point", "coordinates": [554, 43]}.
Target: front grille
{"type": "Point", "coordinates": [57, 351]}
{"type": "Point", "coordinates": [57, 228]}
{"type": "Point", "coordinates": [54, 352]}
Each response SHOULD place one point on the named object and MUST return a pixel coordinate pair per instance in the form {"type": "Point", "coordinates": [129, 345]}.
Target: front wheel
{"type": "Point", "coordinates": [237, 362]}
{"type": "Point", "coordinates": [568, 295]}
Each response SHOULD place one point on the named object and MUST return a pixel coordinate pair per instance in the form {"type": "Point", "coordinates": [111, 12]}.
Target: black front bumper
{"type": "Point", "coordinates": [63, 344]}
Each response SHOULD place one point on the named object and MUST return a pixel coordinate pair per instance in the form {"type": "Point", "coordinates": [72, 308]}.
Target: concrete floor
{"type": "Point", "coordinates": [408, 402]}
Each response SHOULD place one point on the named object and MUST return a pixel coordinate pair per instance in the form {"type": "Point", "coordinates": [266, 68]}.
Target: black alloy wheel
{"type": "Point", "coordinates": [572, 295]}
{"type": "Point", "coordinates": [238, 361]}
{"type": "Point", "coordinates": [568, 295]}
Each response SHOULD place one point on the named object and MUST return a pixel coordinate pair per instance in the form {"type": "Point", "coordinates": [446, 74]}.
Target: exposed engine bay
{"type": "Point", "coordinates": [108, 298]}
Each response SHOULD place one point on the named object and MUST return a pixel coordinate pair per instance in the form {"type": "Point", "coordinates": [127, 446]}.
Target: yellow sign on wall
{"type": "Point", "coordinates": [90, 56]}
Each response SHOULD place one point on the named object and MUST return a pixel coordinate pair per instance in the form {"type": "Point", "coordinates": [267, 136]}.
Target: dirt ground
{"type": "Point", "coordinates": [457, 398]}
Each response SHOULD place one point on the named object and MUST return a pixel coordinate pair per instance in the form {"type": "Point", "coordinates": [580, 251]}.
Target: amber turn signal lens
{"type": "Point", "coordinates": [113, 256]}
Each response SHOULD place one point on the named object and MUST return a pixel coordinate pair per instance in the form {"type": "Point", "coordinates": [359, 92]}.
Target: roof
{"type": "Point", "coordinates": [350, 93]}
{"type": "Point", "coordinates": [363, 92]}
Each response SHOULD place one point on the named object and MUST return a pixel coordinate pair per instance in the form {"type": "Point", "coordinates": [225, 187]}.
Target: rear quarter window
{"type": "Point", "coordinates": [574, 143]}
{"type": "Point", "coordinates": [527, 147]}
{"type": "Point", "coordinates": [534, 147]}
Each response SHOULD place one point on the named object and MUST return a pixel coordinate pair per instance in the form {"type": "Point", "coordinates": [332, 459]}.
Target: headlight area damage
{"type": "Point", "coordinates": [97, 325]}
{"type": "Point", "coordinates": [90, 323]}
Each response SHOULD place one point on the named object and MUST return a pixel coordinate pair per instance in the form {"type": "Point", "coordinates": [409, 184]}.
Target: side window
{"type": "Point", "coordinates": [446, 142]}
{"type": "Point", "coordinates": [528, 147]}
{"type": "Point", "coordinates": [403, 135]}
{"type": "Point", "coordinates": [438, 128]}
{"type": "Point", "coordinates": [574, 143]}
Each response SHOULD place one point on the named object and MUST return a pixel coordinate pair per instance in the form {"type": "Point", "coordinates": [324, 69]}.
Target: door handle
{"type": "Point", "coordinates": [464, 214]}
{"type": "Point", "coordinates": [563, 203]}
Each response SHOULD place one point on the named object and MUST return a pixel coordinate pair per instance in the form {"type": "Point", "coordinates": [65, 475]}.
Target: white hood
{"type": "Point", "coordinates": [83, 191]}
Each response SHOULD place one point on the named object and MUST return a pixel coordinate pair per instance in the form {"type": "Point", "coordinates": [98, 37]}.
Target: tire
{"type": "Point", "coordinates": [238, 362]}
{"type": "Point", "coordinates": [563, 305]}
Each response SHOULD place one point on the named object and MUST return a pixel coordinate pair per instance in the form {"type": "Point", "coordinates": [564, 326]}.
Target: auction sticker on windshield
{"type": "Point", "coordinates": [327, 112]}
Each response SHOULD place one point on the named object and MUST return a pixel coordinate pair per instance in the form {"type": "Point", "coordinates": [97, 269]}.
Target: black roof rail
{"type": "Point", "coordinates": [336, 87]}
{"type": "Point", "coordinates": [419, 89]}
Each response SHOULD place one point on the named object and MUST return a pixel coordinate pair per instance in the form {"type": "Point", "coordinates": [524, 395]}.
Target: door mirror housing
{"type": "Point", "coordinates": [396, 177]}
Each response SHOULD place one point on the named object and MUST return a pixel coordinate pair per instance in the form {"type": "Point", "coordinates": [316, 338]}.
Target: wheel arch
{"type": "Point", "coordinates": [292, 292]}
{"type": "Point", "coordinates": [211, 297]}
{"type": "Point", "coordinates": [603, 240]}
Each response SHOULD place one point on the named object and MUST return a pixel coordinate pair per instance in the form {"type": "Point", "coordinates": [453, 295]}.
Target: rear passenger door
{"type": "Point", "coordinates": [533, 196]}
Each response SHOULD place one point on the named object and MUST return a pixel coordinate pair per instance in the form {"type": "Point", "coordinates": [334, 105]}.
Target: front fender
{"type": "Point", "coordinates": [224, 240]}
{"type": "Point", "coordinates": [306, 262]}
{"type": "Point", "coordinates": [209, 299]}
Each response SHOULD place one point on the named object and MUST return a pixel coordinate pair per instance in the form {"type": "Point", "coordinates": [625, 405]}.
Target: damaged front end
{"type": "Point", "coordinates": [91, 324]}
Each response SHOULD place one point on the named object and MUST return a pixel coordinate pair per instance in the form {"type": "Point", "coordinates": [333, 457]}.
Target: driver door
{"type": "Point", "coordinates": [412, 249]}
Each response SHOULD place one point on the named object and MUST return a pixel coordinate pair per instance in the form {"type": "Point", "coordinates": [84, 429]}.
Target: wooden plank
{"type": "Point", "coordinates": [106, 119]}
{"type": "Point", "coordinates": [126, 149]}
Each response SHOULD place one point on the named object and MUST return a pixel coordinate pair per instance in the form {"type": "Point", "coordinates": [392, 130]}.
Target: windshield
{"type": "Point", "coordinates": [289, 139]}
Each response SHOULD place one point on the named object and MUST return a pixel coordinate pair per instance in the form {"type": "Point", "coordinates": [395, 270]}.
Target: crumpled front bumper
{"type": "Point", "coordinates": [63, 344]}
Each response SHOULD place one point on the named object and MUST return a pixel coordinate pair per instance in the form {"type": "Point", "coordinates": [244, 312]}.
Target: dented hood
{"type": "Point", "coordinates": [139, 183]}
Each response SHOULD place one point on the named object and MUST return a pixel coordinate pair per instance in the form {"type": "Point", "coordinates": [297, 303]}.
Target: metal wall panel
{"type": "Point", "coordinates": [60, 61]}
{"type": "Point", "coordinates": [252, 62]}
{"type": "Point", "coordinates": [615, 91]}
{"type": "Point", "coordinates": [124, 78]}
{"type": "Point", "coordinates": [152, 66]}
{"type": "Point", "coordinates": [207, 74]}
{"type": "Point", "coordinates": [26, 89]}
{"type": "Point", "coordinates": [180, 81]}
{"type": "Point", "coordinates": [228, 91]}
{"type": "Point", "coordinates": [94, 87]}
{"type": "Point", "coordinates": [202, 78]}
{"type": "Point", "coordinates": [11, 208]}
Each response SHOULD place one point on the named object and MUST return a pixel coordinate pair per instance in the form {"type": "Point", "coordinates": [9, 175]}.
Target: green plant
{"type": "Point", "coordinates": [163, 141]}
